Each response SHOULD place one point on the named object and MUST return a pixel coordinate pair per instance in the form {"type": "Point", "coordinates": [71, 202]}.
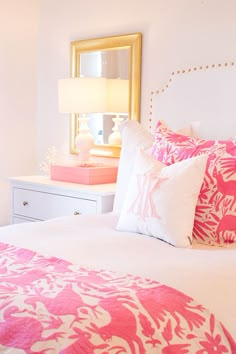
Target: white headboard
{"type": "Point", "coordinates": [205, 94]}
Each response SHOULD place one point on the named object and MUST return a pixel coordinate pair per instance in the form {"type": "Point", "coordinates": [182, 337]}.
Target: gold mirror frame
{"type": "Point", "coordinates": [129, 41]}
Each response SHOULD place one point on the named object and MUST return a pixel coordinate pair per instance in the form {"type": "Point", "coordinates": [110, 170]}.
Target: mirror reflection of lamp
{"type": "Point", "coordinates": [118, 103]}
{"type": "Point", "coordinates": [83, 95]}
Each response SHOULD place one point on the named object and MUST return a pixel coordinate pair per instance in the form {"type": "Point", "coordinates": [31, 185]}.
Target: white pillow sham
{"type": "Point", "coordinates": [134, 137]}
{"type": "Point", "coordinates": [161, 200]}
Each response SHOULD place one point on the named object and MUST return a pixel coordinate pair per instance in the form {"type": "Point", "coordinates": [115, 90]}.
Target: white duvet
{"type": "Point", "coordinates": [208, 274]}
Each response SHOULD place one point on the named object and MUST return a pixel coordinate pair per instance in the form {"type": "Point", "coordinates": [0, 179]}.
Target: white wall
{"type": "Point", "coordinates": [176, 34]}
{"type": "Point", "coordinates": [18, 34]}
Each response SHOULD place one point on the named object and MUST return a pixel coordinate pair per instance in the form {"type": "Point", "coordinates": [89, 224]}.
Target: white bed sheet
{"type": "Point", "coordinates": [208, 274]}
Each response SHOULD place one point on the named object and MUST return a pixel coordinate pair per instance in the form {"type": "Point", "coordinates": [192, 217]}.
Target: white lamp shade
{"type": "Point", "coordinates": [117, 95]}
{"type": "Point", "coordinates": [82, 95]}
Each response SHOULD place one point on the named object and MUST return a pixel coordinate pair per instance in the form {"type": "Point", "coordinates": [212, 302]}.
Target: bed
{"type": "Point", "coordinates": [116, 283]}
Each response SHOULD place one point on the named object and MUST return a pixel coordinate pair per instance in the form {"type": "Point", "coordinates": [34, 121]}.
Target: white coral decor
{"type": "Point", "coordinates": [51, 157]}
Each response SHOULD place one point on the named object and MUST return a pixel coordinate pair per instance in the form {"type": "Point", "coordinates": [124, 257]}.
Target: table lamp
{"type": "Point", "coordinates": [83, 95]}
{"type": "Point", "coordinates": [118, 103]}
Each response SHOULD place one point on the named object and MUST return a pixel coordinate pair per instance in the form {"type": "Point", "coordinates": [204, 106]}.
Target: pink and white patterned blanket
{"type": "Point", "coordinates": [48, 305]}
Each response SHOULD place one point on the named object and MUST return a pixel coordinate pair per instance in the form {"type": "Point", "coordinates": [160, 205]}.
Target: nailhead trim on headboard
{"type": "Point", "coordinates": [179, 72]}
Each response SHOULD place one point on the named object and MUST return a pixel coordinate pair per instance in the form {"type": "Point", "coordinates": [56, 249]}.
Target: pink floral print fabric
{"type": "Point", "coordinates": [215, 216]}
{"type": "Point", "coordinates": [51, 306]}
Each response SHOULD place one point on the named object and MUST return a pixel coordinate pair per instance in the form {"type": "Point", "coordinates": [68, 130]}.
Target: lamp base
{"type": "Point", "coordinates": [84, 141]}
{"type": "Point", "coordinates": [115, 137]}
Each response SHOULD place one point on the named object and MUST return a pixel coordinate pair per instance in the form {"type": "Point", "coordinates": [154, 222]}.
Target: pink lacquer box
{"type": "Point", "coordinates": [87, 174]}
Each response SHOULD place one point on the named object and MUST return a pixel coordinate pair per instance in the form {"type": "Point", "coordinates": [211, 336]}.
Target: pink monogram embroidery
{"type": "Point", "coordinates": [143, 205]}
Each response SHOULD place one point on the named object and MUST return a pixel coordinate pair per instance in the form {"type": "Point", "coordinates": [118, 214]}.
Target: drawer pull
{"type": "Point", "coordinates": [76, 213]}
{"type": "Point", "coordinates": [25, 203]}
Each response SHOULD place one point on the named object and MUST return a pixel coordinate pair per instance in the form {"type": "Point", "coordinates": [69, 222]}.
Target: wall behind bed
{"type": "Point", "coordinates": [18, 58]}
{"type": "Point", "coordinates": [176, 34]}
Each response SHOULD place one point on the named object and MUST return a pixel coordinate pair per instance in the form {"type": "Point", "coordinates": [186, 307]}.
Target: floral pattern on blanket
{"type": "Point", "coordinates": [48, 305]}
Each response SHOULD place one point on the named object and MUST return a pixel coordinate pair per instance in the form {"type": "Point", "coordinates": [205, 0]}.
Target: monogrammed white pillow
{"type": "Point", "coordinates": [161, 199]}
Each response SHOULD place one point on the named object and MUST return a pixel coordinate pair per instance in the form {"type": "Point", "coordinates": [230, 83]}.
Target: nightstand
{"type": "Point", "coordinates": [35, 198]}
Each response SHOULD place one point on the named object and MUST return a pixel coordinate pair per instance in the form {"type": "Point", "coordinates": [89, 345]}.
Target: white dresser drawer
{"type": "Point", "coordinates": [21, 220]}
{"type": "Point", "coordinates": [44, 206]}
{"type": "Point", "coordinates": [35, 198]}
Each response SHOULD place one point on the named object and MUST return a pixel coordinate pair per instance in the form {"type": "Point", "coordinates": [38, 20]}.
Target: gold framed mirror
{"type": "Point", "coordinates": [111, 57]}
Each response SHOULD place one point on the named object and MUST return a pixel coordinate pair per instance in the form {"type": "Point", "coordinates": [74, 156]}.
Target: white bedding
{"type": "Point", "coordinates": [208, 274]}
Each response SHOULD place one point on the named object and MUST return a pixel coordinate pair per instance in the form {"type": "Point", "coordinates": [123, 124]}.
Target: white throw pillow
{"type": "Point", "coordinates": [134, 136]}
{"type": "Point", "coordinates": [161, 200]}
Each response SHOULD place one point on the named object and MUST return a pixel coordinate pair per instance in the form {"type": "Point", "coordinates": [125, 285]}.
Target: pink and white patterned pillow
{"type": "Point", "coordinates": [215, 217]}
{"type": "Point", "coordinates": [161, 200]}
